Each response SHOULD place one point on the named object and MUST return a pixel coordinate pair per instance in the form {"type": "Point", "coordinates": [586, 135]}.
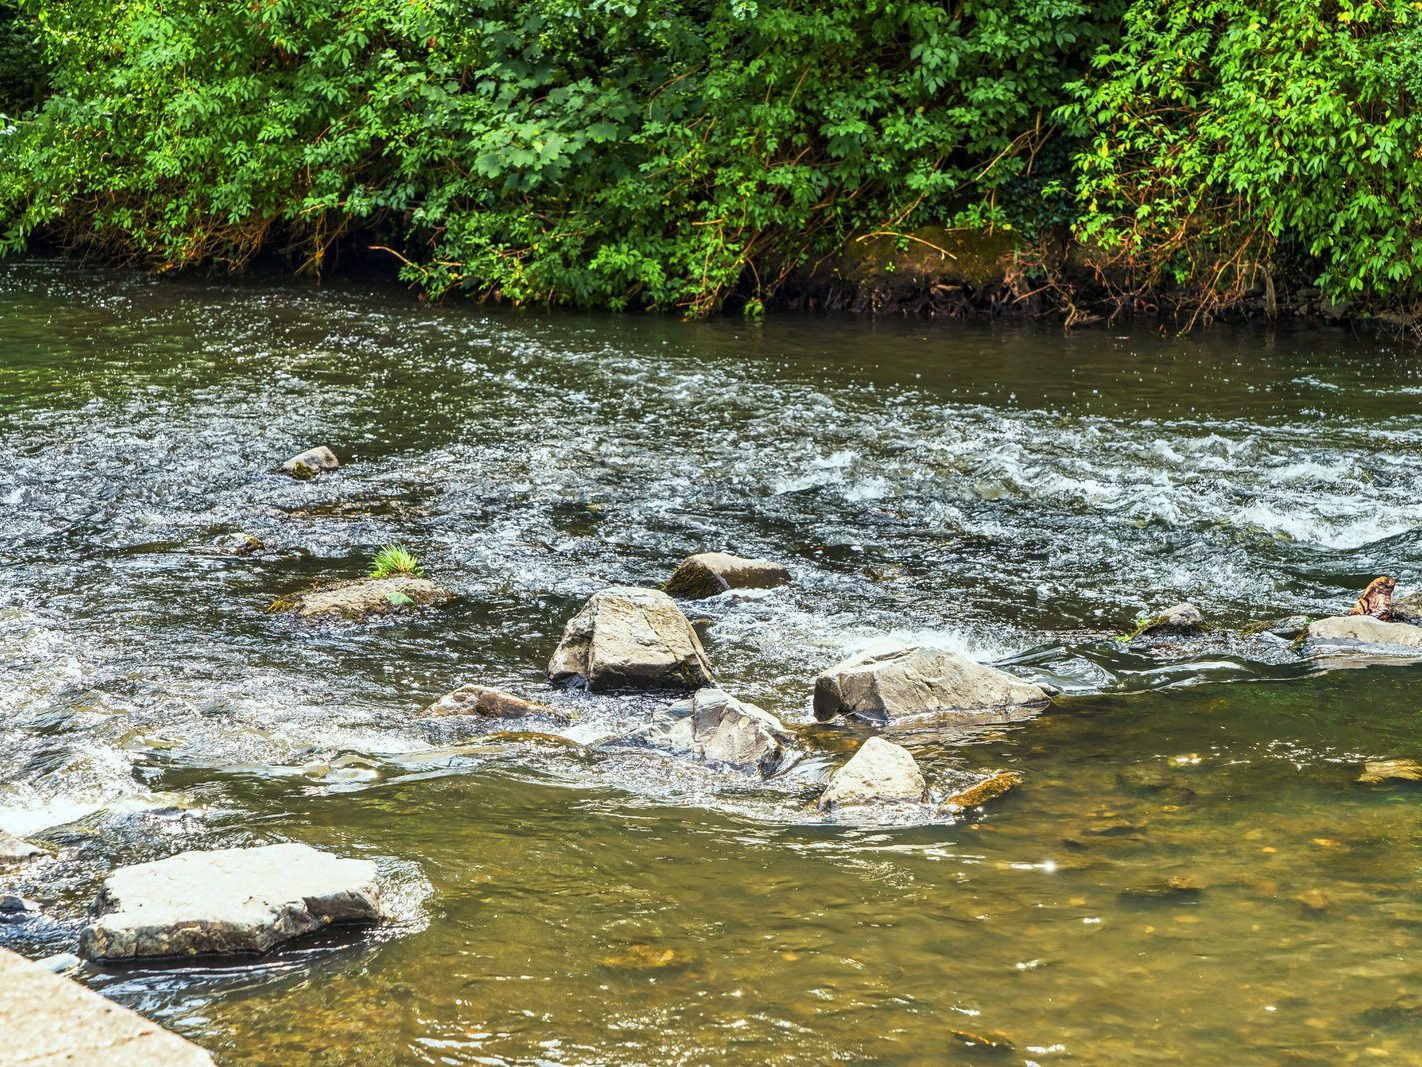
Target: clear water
{"type": "Point", "coordinates": [1009, 492]}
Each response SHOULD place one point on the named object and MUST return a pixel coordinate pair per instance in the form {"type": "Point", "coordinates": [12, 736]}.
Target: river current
{"type": "Point", "coordinates": [1005, 491]}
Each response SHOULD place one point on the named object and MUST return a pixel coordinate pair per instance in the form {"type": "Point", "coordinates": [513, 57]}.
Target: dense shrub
{"type": "Point", "coordinates": [595, 152]}
{"type": "Point", "coordinates": [669, 154]}
{"type": "Point", "coordinates": [1234, 140]}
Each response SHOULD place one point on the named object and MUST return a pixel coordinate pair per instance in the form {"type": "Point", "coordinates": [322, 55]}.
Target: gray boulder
{"type": "Point", "coordinates": [483, 702]}
{"type": "Point", "coordinates": [311, 463]}
{"type": "Point", "coordinates": [16, 850]}
{"type": "Point", "coordinates": [718, 728]}
{"type": "Point", "coordinates": [630, 638]}
{"type": "Point", "coordinates": [363, 598]}
{"type": "Point", "coordinates": [1366, 630]}
{"type": "Point", "coordinates": [884, 686]}
{"type": "Point", "coordinates": [881, 772]}
{"type": "Point", "coordinates": [711, 573]}
{"type": "Point", "coordinates": [226, 902]}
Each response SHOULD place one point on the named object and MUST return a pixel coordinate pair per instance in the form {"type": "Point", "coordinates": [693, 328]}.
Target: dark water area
{"type": "Point", "coordinates": [1008, 492]}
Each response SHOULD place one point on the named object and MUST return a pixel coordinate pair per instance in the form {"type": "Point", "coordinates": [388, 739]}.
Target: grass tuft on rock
{"type": "Point", "coordinates": [392, 560]}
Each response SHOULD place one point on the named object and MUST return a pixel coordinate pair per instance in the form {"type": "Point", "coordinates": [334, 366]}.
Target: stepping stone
{"type": "Point", "coordinates": [227, 902]}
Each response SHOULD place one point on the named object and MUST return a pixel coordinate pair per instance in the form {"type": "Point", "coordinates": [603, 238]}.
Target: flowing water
{"type": "Point", "coordinates": [1189, 872]}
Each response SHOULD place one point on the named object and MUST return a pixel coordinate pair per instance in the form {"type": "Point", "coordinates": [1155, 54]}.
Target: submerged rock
{"type": "Point", "coordinates": [881, 772]}
{"type": "Point", "coordinates": [1391, 770]}
{"type": "Point", "coordinates": [884, 686]}
{"type": "Point", "coordinates": [227, 902]}
{"type": "Point", "coordinates": [363, 598]}
{"type": "Point", "coordinates": [1365, 629]}
{"type": "Point", "coordinates": [711, 573]}
{"type": "Point", "coordinates": [239, 544]}
{"type": "Point", "coordinates": [311, 463]}
{"type": "Point", "coordinates": [1287, 628]}
{"type": "Point", "coordinates": [1183, 618]}
{"type": "Point", "coordinates": [1175, 887]}
{"type": "Point", "coordinates": [718, 728]}
{"type": "Point", "coordinates": [491, 704]}
{"type": "Point", "coordinates": [627, 637]}
{"type": "Point", "coordinates": [16, 850]}
{"type": "Point", "coordinates": [988, 789]}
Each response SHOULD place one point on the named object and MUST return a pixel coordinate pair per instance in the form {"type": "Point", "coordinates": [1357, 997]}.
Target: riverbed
{"type": "Point", "coordinates": [1188, 873]}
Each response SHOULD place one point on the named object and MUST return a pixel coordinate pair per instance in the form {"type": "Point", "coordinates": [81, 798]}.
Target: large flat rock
{"type": "Point", "coordinates": [627, 637]}
{"type": "Point", "coordinates": [228, 901]}
{"type": "Point", "coordinates": [905, 682]}
{"type": "Point", "coordinates": [1366, 630]}
{"type": "Point", "coordinates": [47, 1019]}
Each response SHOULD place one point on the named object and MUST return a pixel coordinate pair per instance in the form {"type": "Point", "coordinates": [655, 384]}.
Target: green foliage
{"type": "Point", "coordinates": [592, 152]}
{"type": "Point", "coordinates": [392, 560]}
{"type": "Point", "coordinates": [1234, 138]}
{"type": "Point", "coordinates": [22, 68]}
{"type": "Point", "coordinates": [673, 154]}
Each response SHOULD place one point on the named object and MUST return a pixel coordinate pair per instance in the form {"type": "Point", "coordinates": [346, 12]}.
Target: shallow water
{"type": "Point", "coordinates": [1003, 491]}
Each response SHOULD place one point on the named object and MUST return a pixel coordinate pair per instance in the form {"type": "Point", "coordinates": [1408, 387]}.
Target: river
{"type": "Point", "coordinates": [1005, 491]}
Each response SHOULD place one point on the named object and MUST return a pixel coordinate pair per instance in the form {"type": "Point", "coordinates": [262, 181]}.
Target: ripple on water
{"type": "Point", "coordinates": [1014, 495]}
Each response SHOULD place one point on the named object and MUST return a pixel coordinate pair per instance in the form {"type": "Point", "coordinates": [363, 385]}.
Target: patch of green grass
{"type": "Point", "coordinates": [393, 559]}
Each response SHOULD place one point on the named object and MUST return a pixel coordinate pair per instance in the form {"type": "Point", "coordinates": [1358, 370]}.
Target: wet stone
{"type": "Point", "coordinates": [310, 463]}
{"type": "Point", "coordinates": [716, 727]}
{"type": "Point", "coordinates": [1391, 770]}
{"type": "Point", "coordinates": [712, 573]}
{"type": "Point", "coordinates": [363, 598]}
{"type": "Point", "coordinates": [483, 702]}
{"type": "Point", "coordinates": [227, 902]}
{"type": "Point", "coordinates": [1364, 629]}
{"type": "Point", "coordinates": [1173, 887]}
{"type": "Point", "coordinates": [881, 687]}
{"type": "Point", "coordinates": [630, 638]}
{"type": "Point", "coordinates": [1182, 618]}
{"type": "Point", "coordinates": [16, 850]}
{"type": "Point", "coordinates": [988, 789]}
{"type": "Point", "coordinates": [881, 772]}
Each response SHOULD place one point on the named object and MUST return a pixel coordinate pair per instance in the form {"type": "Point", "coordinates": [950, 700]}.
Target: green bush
{"type": "Point", "coordinates": [591, 152]}
{"type": "Point", "coordinates": [1232, 140]}
{"type": "Point", "coordinates": [22, 68]}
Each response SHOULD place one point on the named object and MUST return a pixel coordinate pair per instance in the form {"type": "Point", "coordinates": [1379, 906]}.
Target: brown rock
{"type": "Point", "coordinates": [711, 573]}
{"type": "Point", "coordinates": [490, 704]}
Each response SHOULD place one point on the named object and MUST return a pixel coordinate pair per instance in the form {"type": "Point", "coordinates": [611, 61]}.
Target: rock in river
{"type": "Point", "coordinates": [1183, 618]}
{"type": "Point", "coordinates": [711, 573]}
{"type": "Point", "coordinates": [226, 902]}
{"type": "Point", "coordinates": [363, 598]}
{"type": "Point", "coordinates": [16, 850]}
{"type": "Point", "coordinates": [881, 772]}
{"type": "Point", "coordinates": [1366, 630]}
{"type": "Point", "coordinates": [630, 638]}
{"type": "Point", "coordinates": [718, 728]}
{"type": "Point", "coordinates": [990, 788]}
{"type": "Point", "coordinates": [884, 686]}
{"type": "Point", "coordinates": [480, 700]}
{"type": "Point", "coordinates": [1391, 770]}
{"type": "Point", "coordinates": [311, 462]}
